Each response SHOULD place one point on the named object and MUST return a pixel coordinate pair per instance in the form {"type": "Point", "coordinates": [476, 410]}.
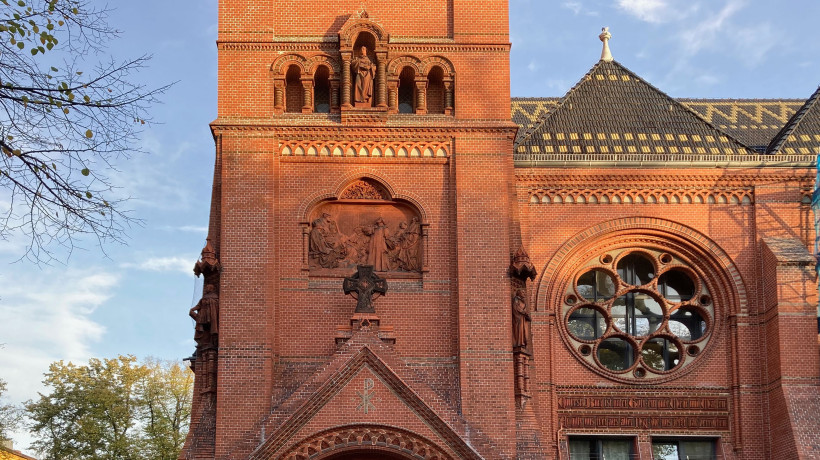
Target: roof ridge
{"type": "Point", "coordinates": [794, 122]}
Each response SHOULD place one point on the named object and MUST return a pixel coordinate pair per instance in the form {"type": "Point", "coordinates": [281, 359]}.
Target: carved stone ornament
{"type": "Point", "coordinates": [364, 190]}
{"type": "Point", "coordinates": [208, 262]}
{"type": "Point", "coordinates": [521, 267]}
{"type": "Point", "coordinates": [365, 286]}
{"type": "Point", "coordinates": [384, 234]}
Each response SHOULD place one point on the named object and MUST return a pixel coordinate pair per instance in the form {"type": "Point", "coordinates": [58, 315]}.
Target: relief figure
{"type": "Point", "coordinates": [377, 253]}
{"type": "Point", "coordinates": [326, 246]}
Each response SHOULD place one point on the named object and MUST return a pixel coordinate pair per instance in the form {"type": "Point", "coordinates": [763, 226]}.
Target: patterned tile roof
{"type": "Point", "coordinates": [801, 135]}
{"type": "Point", "coordinates": [613, 111]}
{"type": "Point", "coordinates": [752, 121]}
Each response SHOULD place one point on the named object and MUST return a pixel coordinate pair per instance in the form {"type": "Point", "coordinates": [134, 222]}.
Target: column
{"type": "Point", "coordinates": [307, 98]}
{"type": "Point", "coordinates": [393, 100]}
{"type": "Point", "coordinates": [334, 96]}
{"type": "Point", "coordinates": [421, 97]}
{"type": "Point", "coordinates": [448, 97]}
{"type": "Point", "coordinates": [381, 75]}
{"type": "Point", "coordinates": [346, 80]}
{"type": "Point", "coordinates": [279, 96]}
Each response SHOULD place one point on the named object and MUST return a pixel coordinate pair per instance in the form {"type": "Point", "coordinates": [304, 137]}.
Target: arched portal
{"type": "Point", "coordinates": [367, 455]}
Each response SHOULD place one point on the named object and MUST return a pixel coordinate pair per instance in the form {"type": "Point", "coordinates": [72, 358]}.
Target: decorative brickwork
{"type": "Point", "coordinates": [615, 264]}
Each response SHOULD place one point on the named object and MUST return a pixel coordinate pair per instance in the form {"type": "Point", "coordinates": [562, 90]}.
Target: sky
{"type": "Point", "coordinates": [134, 298]}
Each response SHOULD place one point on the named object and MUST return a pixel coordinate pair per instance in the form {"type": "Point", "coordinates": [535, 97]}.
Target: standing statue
{"type": "Point", "coordinates": [365, 71]}
{"type": "Point", "coordinates": [377, 253]}
{"type": "Point", "coordinates": [521, 322]}
{"type": "Point", "coordinates": [206, 315]}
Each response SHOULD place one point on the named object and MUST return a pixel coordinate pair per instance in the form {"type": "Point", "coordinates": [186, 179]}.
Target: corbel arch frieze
{"type": "Point", "coordinates": [279, 67]}
{"type": "Point", "coordinates": [395, 66]}
{"type": "Point", "coordinates": [429, 62]}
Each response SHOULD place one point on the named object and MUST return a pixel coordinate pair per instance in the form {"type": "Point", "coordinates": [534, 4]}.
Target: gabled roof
{"type": "Point", "coordinates": [612, 111]}
{"type": "Point", "coordinates": [801, 135]}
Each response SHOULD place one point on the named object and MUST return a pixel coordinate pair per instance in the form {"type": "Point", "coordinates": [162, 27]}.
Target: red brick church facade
{"type": "Point", "coordinates": [612, 274]}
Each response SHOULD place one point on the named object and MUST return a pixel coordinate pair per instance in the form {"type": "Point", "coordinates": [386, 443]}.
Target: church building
{"type": "Point", "coordinates": [405, 263]}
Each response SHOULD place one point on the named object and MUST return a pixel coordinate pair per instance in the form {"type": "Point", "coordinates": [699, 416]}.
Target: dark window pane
{"type": "Point", "coordinates": [586, 324]}
{"type": "Point", "coordinates": [596, 285]}
{"type": "Point", "coordinates": [687, 324]}
{"type": "Point", "coordinates": [636, 269]}
{"type": "Point", "coordinates": [615, 354]}
{"type": "Point", "coordinates": [660, 354]}
{"type": "Point", "coordinates": [697, 450]}
{"type": "Point", "coordinates": [676, 286]}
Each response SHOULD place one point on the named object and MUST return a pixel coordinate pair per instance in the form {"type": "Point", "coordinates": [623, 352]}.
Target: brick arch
{"type": "Point", "coordinates": [390, 440]}
{"type": "Point", "coordinates": [703, 255]}
{"type": "Point", "coordinates": [323, 59]}
{"type": "Point", "coordinates": [395, 66]}
{"type": "Point", "coordinates": [334, 192]}
{"type": "Point", "coordinates": [354, 26]}
{"type": "Point", "coordinates": [428, 63]}
{"type": "Point", "coordinates": [280, 66]}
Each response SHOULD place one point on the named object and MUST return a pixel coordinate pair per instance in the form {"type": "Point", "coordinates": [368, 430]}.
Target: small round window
{"type": "Point", "coordinates": [639, 314]}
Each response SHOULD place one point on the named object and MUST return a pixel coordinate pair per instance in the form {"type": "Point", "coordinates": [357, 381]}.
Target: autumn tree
{"type": "Point", "coordinates": [112, 409]}
{"type": "Point", "coordinates": [66, 118]}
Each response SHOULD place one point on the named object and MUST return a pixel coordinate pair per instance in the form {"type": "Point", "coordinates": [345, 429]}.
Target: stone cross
{"type": "Point", "coordinates": [365, 286]}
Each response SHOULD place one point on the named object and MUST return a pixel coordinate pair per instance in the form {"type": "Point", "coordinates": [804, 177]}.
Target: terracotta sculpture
{"type": "Point", "coordinates": [206, 315]}
{"type": "Point", "coordinates": [325, 247]}
{"type": "Point", "coordinates": [365, 71]}
{"type": "Point", "coordinates": [377, 253]}
{"type": "Point", "coordinates": [521, 321]}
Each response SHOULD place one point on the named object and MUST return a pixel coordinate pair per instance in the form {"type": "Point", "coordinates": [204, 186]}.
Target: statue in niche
{"type": "Point", "coordinates": [521, 322]}
{"type": "Point", "coordinates": [326, 242]}
{"type": "Point", "coordinates": [364, 71]}
{"type": "Point", "coordinates": [206, 315]}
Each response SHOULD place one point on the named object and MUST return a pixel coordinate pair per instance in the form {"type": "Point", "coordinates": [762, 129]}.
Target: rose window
{"type": "Point", "coordinates": [638, 313]}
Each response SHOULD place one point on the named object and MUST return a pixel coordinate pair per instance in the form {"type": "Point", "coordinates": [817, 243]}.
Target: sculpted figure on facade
{"type": "Point", "coordinates": [521, 322]}
{"type": "Point", "coordinates": [326, 246]}
{"type": "Point", "coordinates": [365, 70]}
{"type": "Point", "coordinates": [389, 242]}
{"type": "Point", "coordinates": [206, 315]}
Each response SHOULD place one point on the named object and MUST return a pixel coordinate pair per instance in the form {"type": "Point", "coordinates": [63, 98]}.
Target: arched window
{"type": "Point", "coordinates": [321, 90]}
{"type": "Point", "coordinates": [435, 91]}
{"type": "Point", "coordinates": [407, 90]}
{"type": "Point", "coordinates": [641, 310]}
{"type": "Point", "coordinates": [294, 94]}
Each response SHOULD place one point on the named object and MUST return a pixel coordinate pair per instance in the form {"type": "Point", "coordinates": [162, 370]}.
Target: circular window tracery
{"type": "Point", "coordinates": [639, 314]}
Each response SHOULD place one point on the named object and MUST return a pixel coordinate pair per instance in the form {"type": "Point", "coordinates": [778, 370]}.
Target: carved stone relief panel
{"type": "Point", "coordinates": [364, 228]}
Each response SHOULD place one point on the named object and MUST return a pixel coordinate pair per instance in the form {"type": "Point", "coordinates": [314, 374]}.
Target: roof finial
{"type": "Point", "coordinates": [606, 54]}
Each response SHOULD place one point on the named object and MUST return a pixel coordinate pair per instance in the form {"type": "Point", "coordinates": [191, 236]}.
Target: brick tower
{"type": "Point", "coordinates": [360, 134]}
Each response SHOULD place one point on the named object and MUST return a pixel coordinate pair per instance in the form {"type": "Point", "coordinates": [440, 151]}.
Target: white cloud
{"type": "Point", "coordinates": [164, 264]}
{"type": "Point", "coordinates": [578, 8]}
{"type": "Point", "coordinates": [646, 10]}
{"type": "Point", "coordinates": [705, 34]}
{"type": "Point", "coordinates": [47, 317]}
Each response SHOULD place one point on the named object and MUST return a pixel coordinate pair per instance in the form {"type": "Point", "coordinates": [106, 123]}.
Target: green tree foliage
{"type": "Point", "coordinates": [10, 415]}
{"type": "Point", "coordinates": [112, 409]}
{"type": "Point", "coordinates": [65, 118]}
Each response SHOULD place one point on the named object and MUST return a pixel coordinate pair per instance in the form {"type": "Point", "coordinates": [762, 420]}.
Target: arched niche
{"type": "Point", "coordinates": [364, 225]}
{"type": "Point", "coordinates": [360, 31]}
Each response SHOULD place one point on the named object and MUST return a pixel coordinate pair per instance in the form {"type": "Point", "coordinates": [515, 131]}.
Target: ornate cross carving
{"type": "Point", "coordinates": [365, 286]}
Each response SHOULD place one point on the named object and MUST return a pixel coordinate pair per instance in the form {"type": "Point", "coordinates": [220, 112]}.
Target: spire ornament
{"type": "Point", "coordinates": [606, 54]}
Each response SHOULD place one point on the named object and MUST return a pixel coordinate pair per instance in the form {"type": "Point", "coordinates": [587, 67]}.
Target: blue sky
{"type": "Point", "coordinates": [134, 299]}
